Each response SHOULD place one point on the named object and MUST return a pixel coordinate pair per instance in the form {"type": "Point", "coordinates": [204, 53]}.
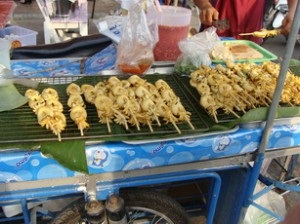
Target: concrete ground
{"type": "Point", "coordinates": [29, 16]}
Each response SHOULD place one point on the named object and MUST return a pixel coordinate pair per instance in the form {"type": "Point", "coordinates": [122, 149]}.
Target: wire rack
{"type": "Point", "coordinates": [221, 115]}
{"type": "Point", "coordinates": [194, 96]}
{"type": "Point", "coordinates": [23, 125]}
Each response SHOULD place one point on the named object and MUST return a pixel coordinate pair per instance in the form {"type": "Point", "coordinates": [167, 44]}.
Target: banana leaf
{"type": "Point", "coordinates": [257, 115]}
{"type": "Point", "coordinates": [70, 154]}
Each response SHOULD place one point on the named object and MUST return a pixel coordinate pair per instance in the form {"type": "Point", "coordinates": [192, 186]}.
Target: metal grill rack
{"type": "Point", "coordinates": [194, 95]}
{"type": "Point", "coordinates": [23, 125]}
{"type": "Point", "coordinates": [221, 115]}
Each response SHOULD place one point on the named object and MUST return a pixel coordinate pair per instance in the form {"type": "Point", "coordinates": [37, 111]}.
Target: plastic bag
{"type": "Point", "coordinates": [271, 201]}
{"type": "Point", "coordinates": [135, 50]}
{"type": "Point", "coordinates": [197, 49]}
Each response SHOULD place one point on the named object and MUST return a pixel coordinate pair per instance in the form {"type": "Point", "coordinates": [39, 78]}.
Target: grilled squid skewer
{"type": "Point", "coordinates": [77, 112]}
{"type": "Point", "coordinates": [58, 124]}
{"type": "Point", "coordinates": [73, 89]}
{"type": "Point", "coordinates": [48, 109]}
{"type": "Point", "coordinates": [79, 115]}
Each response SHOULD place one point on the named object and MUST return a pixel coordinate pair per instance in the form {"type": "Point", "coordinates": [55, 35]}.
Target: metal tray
{"type": "Point", "coordinates": [222, 117]}
{"type": "Point", "coordinates": [20, 125]}
{"type": "Point", "coordinates": [194, 96]}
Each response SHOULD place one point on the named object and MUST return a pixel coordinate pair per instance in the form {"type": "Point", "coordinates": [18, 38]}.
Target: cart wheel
{"type": "Point", "coordinates": [142, 206]}
{"type": "Point", "coordinates": [148, 206]}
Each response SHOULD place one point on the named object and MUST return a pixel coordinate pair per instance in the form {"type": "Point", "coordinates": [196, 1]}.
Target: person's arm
{"type": "Point", "coordinates": [208, 13]}
{"type": "Point", "coordinates": [287, 21]}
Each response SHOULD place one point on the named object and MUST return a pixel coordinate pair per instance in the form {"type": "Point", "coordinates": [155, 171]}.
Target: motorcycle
{"type": "Point", "coordinates": [275, 12]}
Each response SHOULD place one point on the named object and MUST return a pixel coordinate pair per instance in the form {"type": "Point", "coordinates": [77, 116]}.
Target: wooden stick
{"type": "Point", "coordinates": [80, 128]}
{"type": "Point", "coordinates": [157, 120]}
{"type": "Point", "coordinates": [190, 124]}
{"type": "Point", "coordinates": [108, 125]}
{"type": "Point", "coordinates": [215, 117]}
{"type": "Point", "coordinates": [150, 126]}
{"type": "Point", "coordinates": [176, 127]}
{"type": "Point", "coordinates": [231, 111]}
{"type": "Point", "coordinates": [136, 122]}
{"type": "Point", "coordinates": [246, 34]}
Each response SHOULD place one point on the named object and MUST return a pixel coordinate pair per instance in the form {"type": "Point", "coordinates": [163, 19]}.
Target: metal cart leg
{"type": "Point", "coordinates": [25, 211]}
{"type": "Point", "coordinates": [252, 183]}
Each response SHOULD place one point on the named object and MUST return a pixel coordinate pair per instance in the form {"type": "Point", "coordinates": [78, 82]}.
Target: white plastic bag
{"type": "Point", "coordinates": [198, 49]}
{"type": "Point", "coordinates": [271, 201]}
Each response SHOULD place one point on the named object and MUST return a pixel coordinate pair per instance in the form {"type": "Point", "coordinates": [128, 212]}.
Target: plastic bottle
{"type": "Point", "coordinates": [115, 210]}
{"type": "Point", "coordinates": [95, 211]}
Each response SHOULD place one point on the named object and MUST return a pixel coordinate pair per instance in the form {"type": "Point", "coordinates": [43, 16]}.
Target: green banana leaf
{"type": "Point", "coordinates": [70, 154]}
{"type": "Point", "coordinates": [257, 115]}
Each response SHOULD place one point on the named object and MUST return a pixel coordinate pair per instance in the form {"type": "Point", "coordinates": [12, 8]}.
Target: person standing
{"type": "Point", "coordinates": [244, 16]}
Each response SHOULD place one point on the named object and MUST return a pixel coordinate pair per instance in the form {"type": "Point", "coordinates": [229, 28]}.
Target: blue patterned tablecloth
{"type": "Point", "coordinates": [119, 156]}
{"type": "Point", "coordinates": [36, 68]}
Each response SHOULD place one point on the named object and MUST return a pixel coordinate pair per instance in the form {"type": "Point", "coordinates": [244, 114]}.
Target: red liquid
{"type": "Point", "coordinates": [167, 47]}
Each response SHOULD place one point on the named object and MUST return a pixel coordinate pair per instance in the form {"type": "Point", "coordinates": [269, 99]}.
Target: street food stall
{"type": "Point", "coordinates": [91, 147]}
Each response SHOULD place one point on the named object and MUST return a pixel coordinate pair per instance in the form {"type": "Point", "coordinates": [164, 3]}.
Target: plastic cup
{"type": "Point", "coordinates": [173, 26]}
{"type": "Point", "coordinates": [5, 52]}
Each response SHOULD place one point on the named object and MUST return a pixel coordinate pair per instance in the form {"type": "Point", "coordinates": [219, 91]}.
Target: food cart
{"type": "Point", "coordinates": [36, 167]}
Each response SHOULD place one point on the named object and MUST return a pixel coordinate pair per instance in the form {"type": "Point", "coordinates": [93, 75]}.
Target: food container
{"type": "Point", "coordinates": [18, 36]}
{"type": "Point", "coordinates": [173, 26]}
{"type": "Point", "coordinates": [265, 55]}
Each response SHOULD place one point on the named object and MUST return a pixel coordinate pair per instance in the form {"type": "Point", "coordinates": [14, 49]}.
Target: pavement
{"type": "Point", "coordinates": [29, 16]}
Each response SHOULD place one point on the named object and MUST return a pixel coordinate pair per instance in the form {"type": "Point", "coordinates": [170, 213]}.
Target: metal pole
{"type": "Point", "coordinates": [272, 111]}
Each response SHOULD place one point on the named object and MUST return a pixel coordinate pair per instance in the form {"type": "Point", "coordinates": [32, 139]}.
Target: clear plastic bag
{"type": "Point", "coordinates": [197, 50]}
{"type": "Point", "coordinates": [135, 50]}
{"type": "Point", "coordinates": [271, 201]}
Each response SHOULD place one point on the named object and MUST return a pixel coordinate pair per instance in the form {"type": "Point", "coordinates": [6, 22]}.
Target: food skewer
{"type": "Point", "coordinates": [77, 107]}
{"type": "Point", "coordinates": [48, 109]}
{"type": "Point", "coordinates": [263, 33]}
{"type": "Point", "coordinates": [133, 101]}
{"type": "Point", "coordinates": [241, 87]}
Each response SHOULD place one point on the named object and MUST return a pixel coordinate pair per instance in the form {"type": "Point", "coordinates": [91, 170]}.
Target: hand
{"type": "Point", "coordinates": [288, 20]}
{"type": "Point", "coordinates": [208, 14]}
{"type": "Point", "coordinates": [287, 24]}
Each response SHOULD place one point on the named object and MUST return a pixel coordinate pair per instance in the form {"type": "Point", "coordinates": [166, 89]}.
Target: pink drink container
{"type": "Point", "coordinates": [173, 26]}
